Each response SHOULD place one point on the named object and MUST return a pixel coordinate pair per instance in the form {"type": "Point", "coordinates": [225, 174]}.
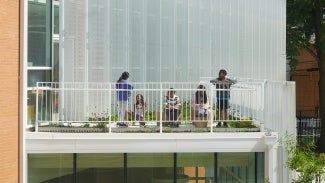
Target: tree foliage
{"type": "Point", "coordinates": [299, 29]}
{"type": "Point", "coordinates": [306, 29]}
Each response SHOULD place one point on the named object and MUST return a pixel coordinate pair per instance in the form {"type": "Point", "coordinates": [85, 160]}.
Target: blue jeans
{"type": "Point", "coordinates": [172, 116]}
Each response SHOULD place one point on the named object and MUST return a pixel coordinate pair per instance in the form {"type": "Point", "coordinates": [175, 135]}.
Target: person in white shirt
{"type": "Point", "coordinates": [140, 109]}
{"type": "Point", "coordinates": [172, 109]}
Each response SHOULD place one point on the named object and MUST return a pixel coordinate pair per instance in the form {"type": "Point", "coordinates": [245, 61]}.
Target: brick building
{"type": "Point", "coordinates": [9, 92]}
{"type": "Point", "coordinates": [306, 77]}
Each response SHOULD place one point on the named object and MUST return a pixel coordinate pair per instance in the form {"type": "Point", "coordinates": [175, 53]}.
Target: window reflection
{"type": "Point", "coordinates": [146, 167]}
{"type": "Point", "coordinates": [35, 76]}
{"type": "Point", "coordinates": [39, 33]}
{"type": "Point", "coordinates": [100, 168]}
{"type": "Point", "coordinates": [49, 168]}
{"type": "Point", "coordinates": [150, 167]}
{"type": "Point", "coordinates": [196, 167]}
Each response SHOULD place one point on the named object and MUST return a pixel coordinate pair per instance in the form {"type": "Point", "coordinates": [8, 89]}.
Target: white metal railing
{"type": "Point", "coordinates": [268, 104]}
{"type": "Point", "coordinates": [87, 104]}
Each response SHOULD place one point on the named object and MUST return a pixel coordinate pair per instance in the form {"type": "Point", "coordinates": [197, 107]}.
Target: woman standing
{"type": "Point", "coordinates": [123, 93]}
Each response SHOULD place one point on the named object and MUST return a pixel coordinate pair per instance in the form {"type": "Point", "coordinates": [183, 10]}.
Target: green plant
{"type": "Point", "coordinates": [86, 125]}
{"type": "Point", "coordinates": [241, 124]}
{"type": "Point", "coordinates": [114, 117]}
{"type": "Point", "coordinates": [186, 110]}
{"type": "Point", "coordinates": [54, 125]}
{"type": "Point", "coordinates": [103, 126]}
{"type": "Point", "coordinates": [303, 159]}
{"type": "Point", "coordinates": [103, 116]}
{"type": "Point", "coordinates": [150, 116]}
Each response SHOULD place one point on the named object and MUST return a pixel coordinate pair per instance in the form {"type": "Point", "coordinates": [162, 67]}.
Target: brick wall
{"type": "Point", "coordinates": [9, 90]}
{"type": "Point", "coordinates": [306, 77]}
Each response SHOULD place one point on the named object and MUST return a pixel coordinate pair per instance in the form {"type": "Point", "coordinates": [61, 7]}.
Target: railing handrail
{"type": "Point", "coordinates": [151, 91]}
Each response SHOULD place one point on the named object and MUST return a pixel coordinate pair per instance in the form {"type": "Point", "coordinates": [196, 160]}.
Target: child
{"type": "Point", "coordinates": [140, 109]}
{"type": "Point", "coordinates": [222, 94]}
{"type": "Point", "coordinates": [172, 109]}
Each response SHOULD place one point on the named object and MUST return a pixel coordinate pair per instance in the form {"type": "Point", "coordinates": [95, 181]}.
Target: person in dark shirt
{"type": "Point", "coordinates": [222, 94]}
{"type": "Point", "coordinates": [123, 93]}
{"type": "Point", "coordinates": [200, 102]}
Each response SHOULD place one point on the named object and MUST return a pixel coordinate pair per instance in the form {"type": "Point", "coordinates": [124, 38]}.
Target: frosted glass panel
{"type": "Point", "coordinates": [173, 40]}
{"type": "Point", "coordinates": [98, 41]}
{"type": "Point", "coordinates": [74, 41]}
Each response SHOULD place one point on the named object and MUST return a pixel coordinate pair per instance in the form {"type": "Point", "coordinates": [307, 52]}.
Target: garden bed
{"type": "Point", "coordinates": [187, 128]}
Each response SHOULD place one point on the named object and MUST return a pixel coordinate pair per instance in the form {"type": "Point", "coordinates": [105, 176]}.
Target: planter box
{"type": "Point", "coordinates": [70, 129]}
{"type": "Point", "coordinates": [200, 124]}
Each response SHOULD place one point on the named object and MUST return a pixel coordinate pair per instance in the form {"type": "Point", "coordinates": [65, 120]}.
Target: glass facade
{"type": "Point", "coordinates": [43, 52]}
{"type": "Point", "coordinates": [169, 40]}
{"type": "Point", "coordinates": [39, 33]}
{"type": "Point", "coordinates": [197, 167]}
{"type": "Point", "coordinates": [50, 168]}
{"type": "Point", "coordinates": [146, 167]}
{"type": "Point", "coordinates": [240, 167]}
{"type": "Point", "coordinates": [156, 40]}
{"type": "Point", "coordinates": [154, 167]}
{"type": "Point", "coordinates": [100, 168]}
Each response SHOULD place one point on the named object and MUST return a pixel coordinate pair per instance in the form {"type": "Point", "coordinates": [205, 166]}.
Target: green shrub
{"type": "Point", "coordinates": [241, 124]}
{"type": "Point", "coordinates": [304, 159]}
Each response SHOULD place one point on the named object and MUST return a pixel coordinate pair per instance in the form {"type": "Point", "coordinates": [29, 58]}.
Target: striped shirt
{"type": "Point", "coordinates": [172, 102]}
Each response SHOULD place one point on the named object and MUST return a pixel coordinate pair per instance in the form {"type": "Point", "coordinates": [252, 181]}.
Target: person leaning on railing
{"type": "Point", "coordinates": [222, 95]}
{"type": "Point", "coordinates": [123, 93]}
{"type": "Point", "coordinates": [172, 109]}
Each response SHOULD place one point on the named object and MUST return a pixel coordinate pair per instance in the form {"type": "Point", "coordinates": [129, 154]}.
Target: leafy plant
{"type": "Point", "coordinates": [241, 124]}
{"type": "Point", "coordinates": [86, 125]}
{"type": "Point", "coordinates": [103, 116]}
{"type": "Point", "coordinates": [186, 110]}
{"type": "Point", "coordinates": [103, 126]}
{"type": "Point", "coordinates": [150, 116]}
{"type": "Point", "coordinates": [304, 160]}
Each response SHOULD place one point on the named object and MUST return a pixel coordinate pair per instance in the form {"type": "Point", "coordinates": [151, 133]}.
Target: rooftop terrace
{"type": "Point", "coordinates": [254, 106]}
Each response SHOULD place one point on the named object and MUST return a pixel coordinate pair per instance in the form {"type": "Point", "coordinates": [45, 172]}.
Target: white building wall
{"type": "Point", "coordinates": [172, 40]}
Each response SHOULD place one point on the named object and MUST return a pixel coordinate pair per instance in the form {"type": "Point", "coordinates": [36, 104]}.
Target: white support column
{"type": "Point", "coordinates": [271, 157]}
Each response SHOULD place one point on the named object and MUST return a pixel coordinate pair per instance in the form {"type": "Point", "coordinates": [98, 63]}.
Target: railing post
{"type": "Point", "coordinates": [212, 98]}
{"type": "Point", "coordinates": [110, 111]}
{"type": "Point", "coordinates": [36, 114]}
{"type": "Point", "coordinates": [262, 116]}
{"type": "Point", "coordinates": [160, 108]}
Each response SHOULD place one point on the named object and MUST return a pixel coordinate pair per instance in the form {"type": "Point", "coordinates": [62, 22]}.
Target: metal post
{"type": "Point", "coordinates": [110, 111]}
{"type": "Point", "coordinates": [36, 115]}
{"type": "Point", "coordinates": [211, 103]}
{"type": "Point", "coordinates": [161, 108]}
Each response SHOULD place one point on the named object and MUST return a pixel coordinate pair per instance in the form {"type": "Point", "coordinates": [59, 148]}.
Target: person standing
{"type": "Point", "coordinates": [123, 93]}
{"type": "Point", "coordinates": [222, 94]}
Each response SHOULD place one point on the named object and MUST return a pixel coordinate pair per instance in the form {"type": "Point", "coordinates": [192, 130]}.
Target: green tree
{"type": "Point", "coordinates": [306, 22]}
